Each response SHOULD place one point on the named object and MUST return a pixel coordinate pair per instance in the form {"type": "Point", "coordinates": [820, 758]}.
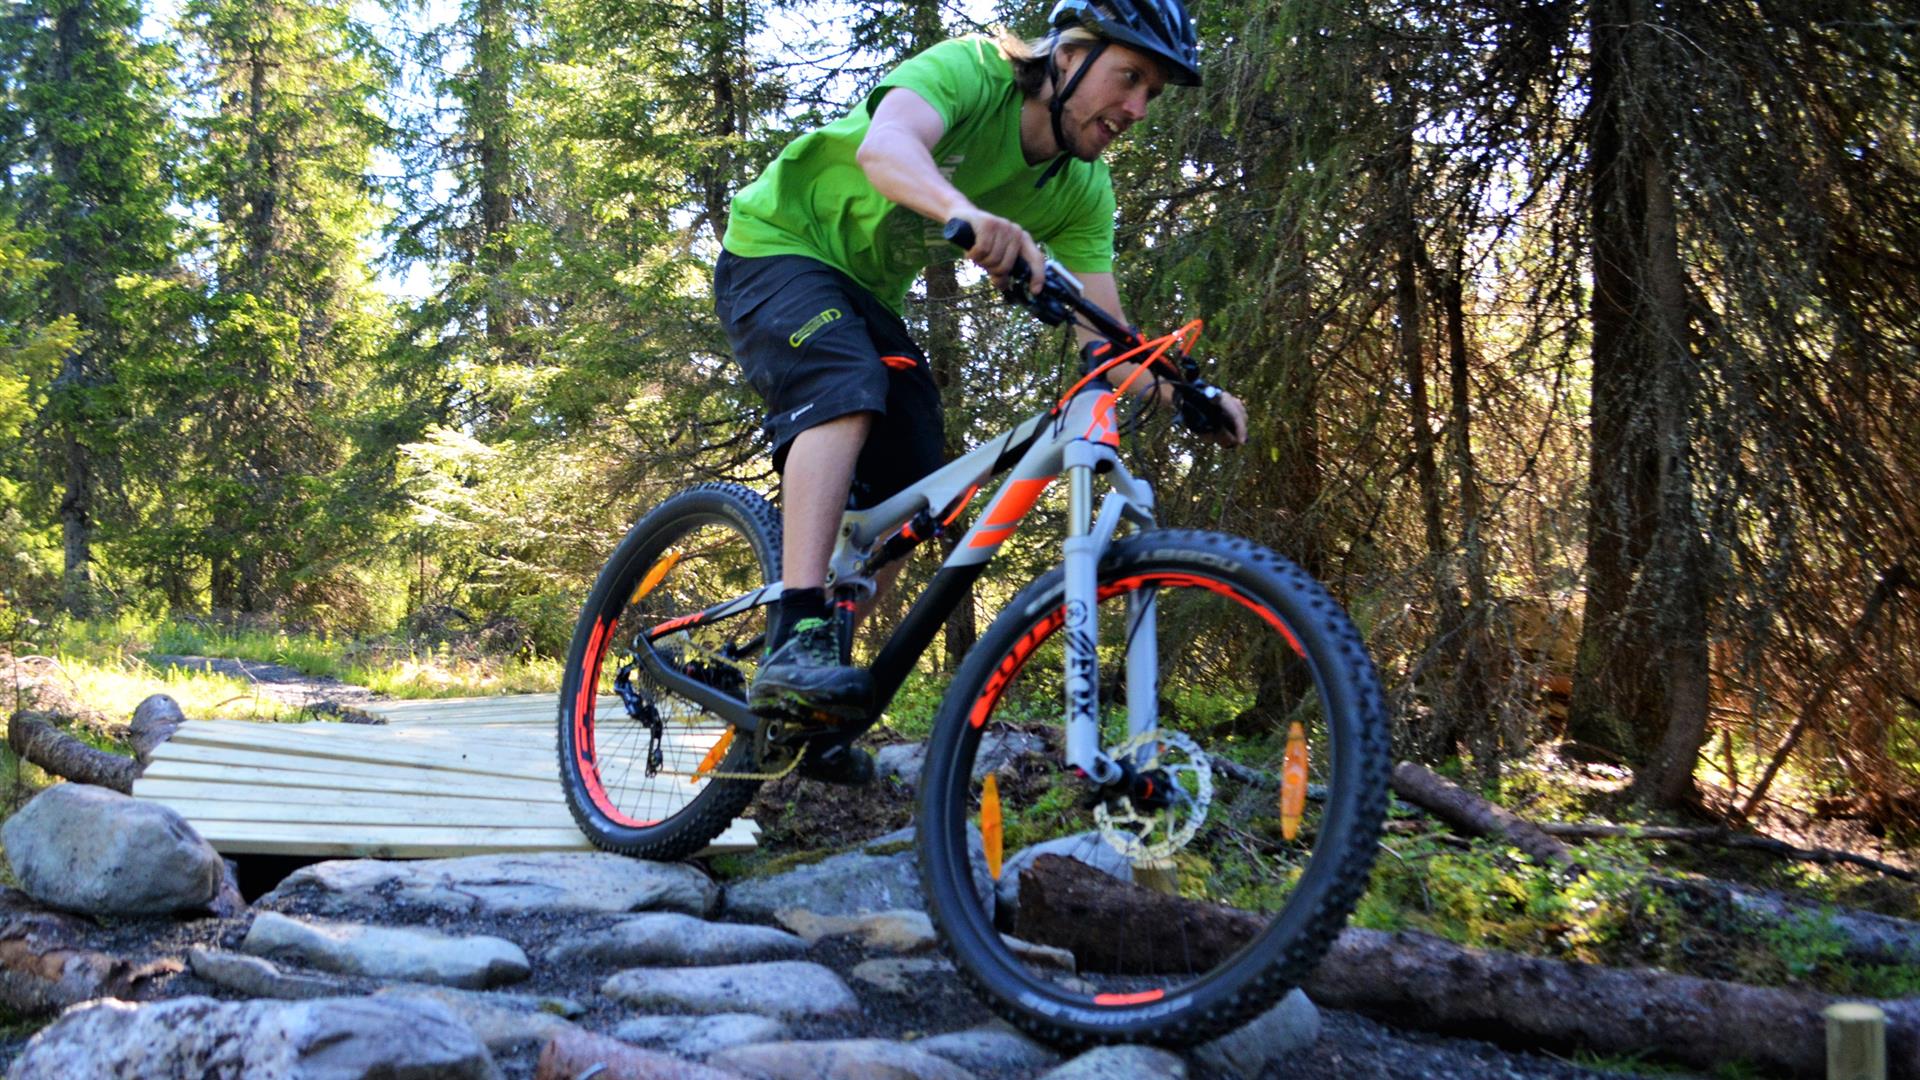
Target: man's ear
{"type": "Point", "coordinates": [1067, 56]}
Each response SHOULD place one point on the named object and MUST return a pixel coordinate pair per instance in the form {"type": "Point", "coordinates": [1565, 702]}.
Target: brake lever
{"type": "Point", "coordinates": [1059, 292]}
{"type": "Point", "coordinates": [1199, 403]}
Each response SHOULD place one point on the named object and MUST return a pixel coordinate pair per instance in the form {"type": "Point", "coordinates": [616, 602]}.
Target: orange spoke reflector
{"type": "Point", "coordinates": [990, 824]}
{"type": "Point", "coordinates": [713, 757]}
{"type": "Point", "coordinates": [655, 574]}
{"type": "Point", "coordinates": [1293, 782]}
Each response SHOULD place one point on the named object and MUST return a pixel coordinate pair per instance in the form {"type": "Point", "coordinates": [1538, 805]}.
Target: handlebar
{"type": "Point", "coordinates": [1060, 301]}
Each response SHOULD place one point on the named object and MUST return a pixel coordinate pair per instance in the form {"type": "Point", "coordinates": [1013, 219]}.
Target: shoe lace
{"type": "Point", "coordinates": [814, 642]}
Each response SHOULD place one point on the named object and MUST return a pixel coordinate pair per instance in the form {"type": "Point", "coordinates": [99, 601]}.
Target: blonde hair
{"type": "Point", "coordinates": [1029, 55]}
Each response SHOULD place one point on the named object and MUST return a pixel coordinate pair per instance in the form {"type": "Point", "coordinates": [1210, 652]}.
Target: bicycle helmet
{"type": "Point", "coordinates": [1158, 27]}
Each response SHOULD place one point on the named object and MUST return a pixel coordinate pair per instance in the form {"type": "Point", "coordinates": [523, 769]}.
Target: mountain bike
{"type": "Point", "coordinates": [1153, 791]}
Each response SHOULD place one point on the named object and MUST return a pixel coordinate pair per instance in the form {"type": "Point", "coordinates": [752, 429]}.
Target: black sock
{"type": "Point", "coordinates": [798, 604]}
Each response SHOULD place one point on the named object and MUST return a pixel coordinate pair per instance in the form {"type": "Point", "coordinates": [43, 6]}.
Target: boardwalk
{"type": "Point", "coordinates": [439, 778]}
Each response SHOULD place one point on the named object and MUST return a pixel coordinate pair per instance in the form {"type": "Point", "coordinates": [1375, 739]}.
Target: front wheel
{"type": "Point", "coordinates": [646, 771]}
{"type": "Point", "coordinates": [1180, 909]}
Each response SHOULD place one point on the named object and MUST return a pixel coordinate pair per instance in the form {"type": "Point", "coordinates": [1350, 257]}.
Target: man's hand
{"type": "Point", "coordinates": [1235, 433]}
{"type": "Point", "coordinates": [1233, 412]}
{"type": "Point", "coordinates": [999, 245]}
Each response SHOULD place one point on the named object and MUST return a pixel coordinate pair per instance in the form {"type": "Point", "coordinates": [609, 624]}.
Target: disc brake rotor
{"type": "Point", "coordinates": [1158, 833]}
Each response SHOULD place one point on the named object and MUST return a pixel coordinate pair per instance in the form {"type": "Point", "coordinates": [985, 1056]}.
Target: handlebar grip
{"type": "Point", "coordinates": [959, 233]}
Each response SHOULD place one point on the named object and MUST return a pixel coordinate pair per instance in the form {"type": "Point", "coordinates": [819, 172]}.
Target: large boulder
{"type": "Point", "coordinates": [327, 1039]}
{"type": "Point", "coordinates": [550, 882]}
{"type": "Point", "coordinates": [388, 952]}
{"type": "Point", "coordinates": [87, 849]}
{"type": "Point", "coordinates": [882, 875]}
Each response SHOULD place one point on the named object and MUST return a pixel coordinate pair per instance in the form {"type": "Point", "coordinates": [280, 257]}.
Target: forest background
{"type": "Point", "coordinates": [1582, 339]}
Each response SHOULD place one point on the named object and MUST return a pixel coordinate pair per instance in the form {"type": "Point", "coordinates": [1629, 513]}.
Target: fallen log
{"type": "Point", "coordinates": [1724, 838]}
{"type": "Point", "coordinates": [33, 736]}
{"type": "Point", "coordinates": [1070, 905]}
{"type": "Point", "coordinates": [44, 967]}
{"type": "Point", "coordinates": [1475, 816]}
{"type": "Point", "coordinates": [1865, 937]}
{"type": "Point", "coordinates": [1415, 979]}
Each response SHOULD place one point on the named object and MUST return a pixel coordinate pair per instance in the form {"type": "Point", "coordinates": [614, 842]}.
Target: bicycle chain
{"type": "Point", "coordinates": [716, 775]}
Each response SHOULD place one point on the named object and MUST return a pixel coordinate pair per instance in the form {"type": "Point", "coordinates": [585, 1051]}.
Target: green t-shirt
{"type": "Point", "coordinates": [815, 200]}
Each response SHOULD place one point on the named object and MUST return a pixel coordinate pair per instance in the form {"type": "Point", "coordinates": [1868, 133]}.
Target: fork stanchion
{"type": "Point", "coordinates": [1856, 1041]}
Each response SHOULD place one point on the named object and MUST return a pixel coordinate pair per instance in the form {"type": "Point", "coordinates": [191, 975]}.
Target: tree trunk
{"type": "Point", "coordinates": [1419, 980]}
{"type": "Point", "coordinates": [73, 294]}
{"type": "Point", "coordinates": [491, 112]}
{"type": "Point", "coordinates": [1477, 667]}
{"type": "Point", "coordinates": [1640, 685]}
{"type": "Point", "coordinates": [43, 967]}
{"type": "Point", "coordinates": [33, 736]}
{"type": "Point", "coordinates": [1411, 978]}
{"type": "Point", "coordinates": [1676, 566]}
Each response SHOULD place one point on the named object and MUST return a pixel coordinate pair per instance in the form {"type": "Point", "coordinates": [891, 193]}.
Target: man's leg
{"type": "Point", "coordinates": [813, 495]}
{"type": "Point", "coordinates": [803, 672]}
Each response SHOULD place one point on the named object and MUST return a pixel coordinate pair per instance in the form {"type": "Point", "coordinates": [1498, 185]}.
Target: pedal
{"type": "Point", "coordinates": [839, 763]}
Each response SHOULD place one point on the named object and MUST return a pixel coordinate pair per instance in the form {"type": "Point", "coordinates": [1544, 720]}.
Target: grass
{"type": "Point", "coordinates": [107, 661]}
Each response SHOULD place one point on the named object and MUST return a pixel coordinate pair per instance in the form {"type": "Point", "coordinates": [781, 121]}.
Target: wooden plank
{"type": "Point", "coordinates": [476, 813]}
{"type": "Point", "coordinates": [396, 842]}
{"type": "Point", "coordinates": [176, 791]}
{"type": "Point", "coordinates": [430, 783]}
{"type": "Point", "coordinates": [473, 761]}
{"type": "Point", "coordinates": [357, 746]}
{"type": "Point", "coordinates": [266, 759]}
{"type": "Point", "coordinates": [426, 782]}
{"type": "Point", "coordinates": [231, 800]}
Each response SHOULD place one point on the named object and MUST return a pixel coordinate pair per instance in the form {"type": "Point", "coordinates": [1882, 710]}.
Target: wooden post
{"type": "Point", "coordinates": [1160, 875]}
{"type": "Point", "coordinates": [1856, 1042]}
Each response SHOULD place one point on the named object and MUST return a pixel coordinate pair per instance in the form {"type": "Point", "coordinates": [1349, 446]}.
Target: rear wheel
{"type": "Point", "coordinates": [1219, 877]}
{"type": "Point", "coordinates": [637, 766]}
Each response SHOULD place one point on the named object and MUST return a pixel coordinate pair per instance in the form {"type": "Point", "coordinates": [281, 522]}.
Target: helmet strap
{"type": "Point", "coordinates": [1060, 96]}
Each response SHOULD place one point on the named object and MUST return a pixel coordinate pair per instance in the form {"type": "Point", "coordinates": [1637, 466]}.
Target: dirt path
{"type": "Point", "coordinates": [318, 694]}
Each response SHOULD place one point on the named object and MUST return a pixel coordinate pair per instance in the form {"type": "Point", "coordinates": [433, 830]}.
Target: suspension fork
{"type": "Point", "coordinates": [1087, 539]}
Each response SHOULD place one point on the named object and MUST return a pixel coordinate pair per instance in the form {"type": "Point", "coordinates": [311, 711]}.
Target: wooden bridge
{"type": "Point", "coordinates": [461, 776]}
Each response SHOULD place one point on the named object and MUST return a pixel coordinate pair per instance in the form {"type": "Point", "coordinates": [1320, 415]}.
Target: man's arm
{"type": "Point", "coordinates": [1103, 291]}
{"type": "Point", "coordinates": [897, 156]}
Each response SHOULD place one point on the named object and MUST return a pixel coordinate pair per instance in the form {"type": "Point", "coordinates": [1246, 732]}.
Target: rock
{"type": "Point", "coordinates": [498, 1023]}
{"type": "Point", "coordinates": [154, 721]}
{"type": "Point", "coordinates": [328, 1039]}
{"type": "Point", "coordinates": [96, 851]}
{"type": "Point", "coordinates": [903, 760]}
{"type": "Point", "coordinates": [227, 903]}
{"type": "Point", "coordinates": [700, 1036]}
{"type": "Point", "coordinates": [990, 1048]}
{"type": "Point", "coordinates": [1271, 1038]}
{"type": "Point", "coordinates": [255, 977]}
{"type": "Point", "coordinates": [867, 1059]}
{"type": "Point", "coordinates": [389, 952]}
{"type": "Point", "coordinates": [45, 964]}
{"type": "Point", "coordinates": [897, 931]}
{"type": "Point", "coordinates": [900, 974]}
{"type": "Point", "coordinates": [549, 882]}
{"type": "Point", "coordinates": [881, 876]}
{"type": "Point", "coordinates": [1041, 955]}
{"type": "Point", "coordinates": [1107, 1062]}
{"type": "Point", "coordinates": [785, 989]}
{"type": "Point", "coordinates": [907, 760]}
{"type": "Point", "coordinates": [576, 1054]}
{"type": "Point", "coordinates": [667, 938]}
{"type": "Point", "coordinates": [1087, 847]}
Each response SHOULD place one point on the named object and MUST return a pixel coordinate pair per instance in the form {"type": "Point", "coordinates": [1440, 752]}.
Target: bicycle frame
{"type": "Point", "coordinates": [1080, 438]}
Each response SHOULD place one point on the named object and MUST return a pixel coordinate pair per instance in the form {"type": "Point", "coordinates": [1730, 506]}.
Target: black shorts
{"type": "Point", "coordinates": [817, 346]}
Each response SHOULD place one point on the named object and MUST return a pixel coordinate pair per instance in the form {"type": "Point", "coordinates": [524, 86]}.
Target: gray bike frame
{"type": "Point", "coordinates": [1079, 440]}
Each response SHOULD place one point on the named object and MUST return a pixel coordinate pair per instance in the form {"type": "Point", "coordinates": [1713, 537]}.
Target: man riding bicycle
{"type": "Point", "coordinates": [820, 251]}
